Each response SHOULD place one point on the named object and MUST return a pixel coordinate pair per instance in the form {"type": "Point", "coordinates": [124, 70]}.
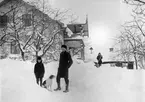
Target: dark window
{"type": "Point", "coordinates": [14, 48]}
{"type": "Point", "coordinates": [111, 49]}
{"type": "Point", "coordinates": [78, 28]}
{"type": "Point", "coordinates": [26, 19]}
{"type": "Point", "coordinates": [3, 21]}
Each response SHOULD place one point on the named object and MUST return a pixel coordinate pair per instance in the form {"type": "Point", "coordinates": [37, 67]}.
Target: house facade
{"type": "Point", "coordinates": [21, 18]}
{"type": "Point", "coordinates": [74, 36]}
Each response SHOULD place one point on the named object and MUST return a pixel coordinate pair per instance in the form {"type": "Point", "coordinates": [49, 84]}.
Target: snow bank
{"type": "Point", "coordinates": [87, 83]}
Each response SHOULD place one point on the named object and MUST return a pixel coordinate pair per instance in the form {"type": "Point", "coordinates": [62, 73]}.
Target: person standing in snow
{"type": "Point", "coordinates": [99, 58]}
{"type": "Point", "coordinates": [39, 70]}
{"type": "Point", "coordinates": [65, 63]}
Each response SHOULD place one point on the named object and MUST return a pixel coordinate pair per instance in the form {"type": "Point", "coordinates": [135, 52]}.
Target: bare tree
{"type": "Point", "coordinates": [61, 15]}
{"type": "Point", "coordinates": [49, 34]}
{"type": "Point", "coordinates": [132, 36]}
{"type": "Point", "coordinates": [134, 2]}
{"type": "Point", "coordinates": [132, 40]}
{"type": "Point", "coordinates": [14, 32]}
{"type": "Point", "coordinates": [73, 19]}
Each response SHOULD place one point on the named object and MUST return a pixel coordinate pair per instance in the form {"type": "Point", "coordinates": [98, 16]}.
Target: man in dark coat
{"type": "Point", "coordinates": [39, 70]}
{"type": "Point", "coordinates": [65, 63]}
{"type": "Point", "coordinates": [99, 58]}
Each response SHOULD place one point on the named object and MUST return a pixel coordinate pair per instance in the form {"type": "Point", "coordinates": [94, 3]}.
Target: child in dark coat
{"type": "Point", "coordinates": [39, 71]}
{"type": "Point", "coordinates": [99, 58]}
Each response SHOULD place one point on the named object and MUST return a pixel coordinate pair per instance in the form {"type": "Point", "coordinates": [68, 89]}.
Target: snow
{"type": "Point", "coordinates": [69, 32]}
{"type": "Point", "coordinates": [87, 83]}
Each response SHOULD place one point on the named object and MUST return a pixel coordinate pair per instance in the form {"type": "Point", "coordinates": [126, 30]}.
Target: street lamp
{"type": "Point", "coordinates": [91, 49]}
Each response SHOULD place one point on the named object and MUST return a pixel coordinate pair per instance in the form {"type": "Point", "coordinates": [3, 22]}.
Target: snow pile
{"type": "Point", "coordinates": [87, 83]}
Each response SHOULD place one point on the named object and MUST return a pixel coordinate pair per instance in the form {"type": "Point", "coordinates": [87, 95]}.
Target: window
{"type": "Point", "coordinates": [14, 48]}
{"type": "Point", "coordinates": [111, 49]}
{"type": "Point", "coordinates": [78, 28]}
{"type": "Point", "coordinates": [26, 19]}
{"type": "Point", "coordinates": [3, 21]}
{"type": "Point", "coordinates": [55, 27]}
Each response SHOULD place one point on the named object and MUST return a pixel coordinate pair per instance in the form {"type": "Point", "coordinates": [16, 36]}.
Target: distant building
{"type": "Point", "coordinates": [73, 38]}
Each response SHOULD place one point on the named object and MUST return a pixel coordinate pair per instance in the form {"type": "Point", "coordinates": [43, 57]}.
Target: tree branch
{"type": "Point", "coordinates": [140, 1]}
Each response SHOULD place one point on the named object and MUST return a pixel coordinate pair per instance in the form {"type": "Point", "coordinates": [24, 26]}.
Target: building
{"type": "Point", "coordinates": [21, 18]}
{"type": "Point", "coordinates": [73, 38]}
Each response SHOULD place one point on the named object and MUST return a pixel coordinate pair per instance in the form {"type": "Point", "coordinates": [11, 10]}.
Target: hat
{"type": "Point", "coordinates": [38, 58]}
{"type": "Point", "coordinates": [64, 46]}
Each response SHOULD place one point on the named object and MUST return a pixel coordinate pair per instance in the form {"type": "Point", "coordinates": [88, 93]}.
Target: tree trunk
{"type": "Point", "coordinates": [36, 54]}
{"type": "Point", "coordinates": [22, 52]}
{"type": "Point", "coordinates": [23, 55]}
{"type": "Point", "coordinates": [136, 63]}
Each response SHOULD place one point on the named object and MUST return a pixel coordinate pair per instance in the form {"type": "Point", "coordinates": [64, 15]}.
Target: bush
{"type": "Point", "coordinates": [15, 56]}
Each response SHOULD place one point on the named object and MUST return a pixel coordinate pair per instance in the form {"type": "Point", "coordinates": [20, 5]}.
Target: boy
{"type": "Point", "coordinates": [39, 70]}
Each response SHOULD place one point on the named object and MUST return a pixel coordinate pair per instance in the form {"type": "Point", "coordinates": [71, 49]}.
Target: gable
{"type": "Point", "coordinates": [4, 2]}
{"type": "Point", "coordinates": [75, 28]}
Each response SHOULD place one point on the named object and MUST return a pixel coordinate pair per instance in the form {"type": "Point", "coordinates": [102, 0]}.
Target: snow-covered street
{"type": "Point", "coordinates": [87, 83]}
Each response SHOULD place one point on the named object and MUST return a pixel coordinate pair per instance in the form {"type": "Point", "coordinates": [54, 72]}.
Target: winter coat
{"type": "Point", "coordinates": [99, 57]}
{"type": "Point", "coordinates": [39, 69]}
{"type": "Point", "coordinates": [65, 63]}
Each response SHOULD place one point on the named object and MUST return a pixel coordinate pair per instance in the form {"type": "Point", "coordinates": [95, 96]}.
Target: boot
{"type": "Point", "coordinates": [58, 88]}
{"type": "Point", "coordinates": [66, 89]}
{"type": "Point", "coordinates": [41, 82]}
{"type": "Point", "coordinates": [37, 81]}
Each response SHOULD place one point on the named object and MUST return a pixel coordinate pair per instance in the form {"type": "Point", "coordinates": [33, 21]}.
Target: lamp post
{"type": "Point", "coordinates": [91, 49]}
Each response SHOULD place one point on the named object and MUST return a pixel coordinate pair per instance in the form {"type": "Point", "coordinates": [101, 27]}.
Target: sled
{"type": "Point", "coordinates": [96, 64]}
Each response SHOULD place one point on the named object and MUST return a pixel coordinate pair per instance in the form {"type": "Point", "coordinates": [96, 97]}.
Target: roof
{"type": "Point", "coordinates": [36, 10]}
{"type": "Point", "coordinates": [75, 28]}
{"type": "Point", "coordinates": [75, 40]}
{"type": "Point", "coordinates": [79, 28]}
{"type": "Point", "coordinates": [6, 1]}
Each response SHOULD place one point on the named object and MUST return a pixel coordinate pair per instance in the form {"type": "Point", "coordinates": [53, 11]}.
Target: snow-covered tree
{"type": "Point", "coordinates": [48, 37]}
{"type": "Point", "coordinates": [34, 27]}
{"type": "Point", "coordinates": [132, 38]}
{"type": "Point", "coordinates": [14, 31]}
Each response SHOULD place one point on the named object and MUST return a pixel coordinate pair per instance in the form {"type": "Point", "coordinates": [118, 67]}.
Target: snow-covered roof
{"type": "Point", "coordinates": [48, 18]}
{"type": "Point", "coordinates": [81, 40]}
